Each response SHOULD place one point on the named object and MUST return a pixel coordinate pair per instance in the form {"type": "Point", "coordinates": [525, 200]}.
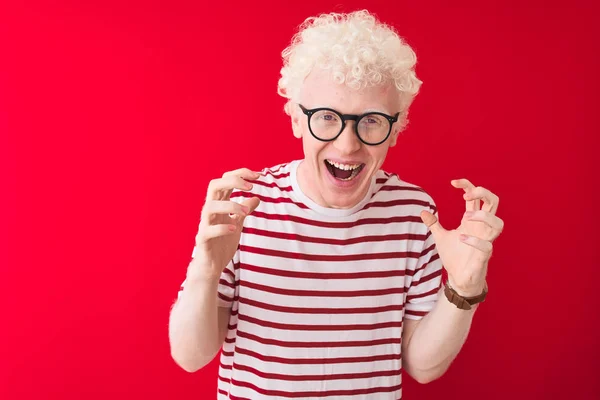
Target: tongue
{"type": "Point", "coordinates": [341, 173]}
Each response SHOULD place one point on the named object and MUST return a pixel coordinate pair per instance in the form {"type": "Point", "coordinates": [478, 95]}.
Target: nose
{"type": "Point", "coordinates": [347, 142]}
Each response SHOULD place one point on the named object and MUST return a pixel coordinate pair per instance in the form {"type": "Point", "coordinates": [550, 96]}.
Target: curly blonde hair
{"type": "Point", "coordinates": [358, 49]}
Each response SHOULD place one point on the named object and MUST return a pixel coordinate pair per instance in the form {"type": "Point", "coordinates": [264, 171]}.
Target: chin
{"type": "Point", "coordinates": [341, 199]}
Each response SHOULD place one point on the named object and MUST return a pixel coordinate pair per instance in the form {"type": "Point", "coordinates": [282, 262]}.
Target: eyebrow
{"type": "Point", "coordinates": [367, 111]}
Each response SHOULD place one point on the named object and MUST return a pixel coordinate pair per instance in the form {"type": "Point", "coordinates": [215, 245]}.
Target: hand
{"type": "Point", "coordinates": [221, 223]}
{"type": "Point", "coordinates": [465, 251]}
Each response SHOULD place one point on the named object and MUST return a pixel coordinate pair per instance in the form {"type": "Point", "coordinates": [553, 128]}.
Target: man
{"type": "Point", "coordinates": [322, 277]}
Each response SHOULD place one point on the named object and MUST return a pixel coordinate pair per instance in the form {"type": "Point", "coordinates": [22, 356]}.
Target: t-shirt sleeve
{"type": "Point", "coordinates": [426, 281]}
{"type": "Point", "coordinates": [226, 291]}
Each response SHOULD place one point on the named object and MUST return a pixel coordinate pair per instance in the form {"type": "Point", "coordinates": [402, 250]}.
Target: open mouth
{"type": "Point", "coordinates": [343, 172]}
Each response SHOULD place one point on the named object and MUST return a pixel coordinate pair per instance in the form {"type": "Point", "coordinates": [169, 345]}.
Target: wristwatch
{"type": "Point", "coordinates": [464, 303]}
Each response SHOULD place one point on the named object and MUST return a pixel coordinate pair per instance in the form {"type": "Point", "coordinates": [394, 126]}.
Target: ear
{"type": "Point", "coordinates": [394, 137]}
{"type": "Point", "coordinates": [295, 116]}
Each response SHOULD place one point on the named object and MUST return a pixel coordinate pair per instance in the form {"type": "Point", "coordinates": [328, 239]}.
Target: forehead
{"type": "Point", "coordinates": [320, 90]}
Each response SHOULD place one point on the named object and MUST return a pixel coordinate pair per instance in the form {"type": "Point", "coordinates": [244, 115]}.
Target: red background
{"type": "Point", "coordinates": [114, 117]}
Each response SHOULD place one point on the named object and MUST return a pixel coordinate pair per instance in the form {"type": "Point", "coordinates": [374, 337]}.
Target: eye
{"type": "Point", "coordinates": [373, 120]}
{"type": "Point", "coordinates": [326, 116]}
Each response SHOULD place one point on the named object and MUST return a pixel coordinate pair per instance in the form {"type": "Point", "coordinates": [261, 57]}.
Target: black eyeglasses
{"type": "Point", "coordinates": [326, 124]}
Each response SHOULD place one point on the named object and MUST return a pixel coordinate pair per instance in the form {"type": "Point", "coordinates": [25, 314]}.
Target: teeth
{"type": "Point", "coordinates": [354, 172]}
{"type": "Point", "coordinates": [345, 167]}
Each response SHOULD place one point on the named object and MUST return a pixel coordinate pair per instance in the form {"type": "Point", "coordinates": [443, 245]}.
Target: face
{"type": "Point", "coordinates": [316, 176]}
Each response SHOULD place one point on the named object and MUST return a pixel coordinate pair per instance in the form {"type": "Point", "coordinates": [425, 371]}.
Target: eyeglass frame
{"type": "Point", "coordinates": [352, 117]}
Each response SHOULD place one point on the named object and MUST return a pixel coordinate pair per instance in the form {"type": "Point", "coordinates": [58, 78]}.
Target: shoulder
{"type": "Point", "coordinates": [390, 186]}
{"type": "Point", "coordinates": [279, 171]}
{"type": "Point", "coordinates": [273, 181]}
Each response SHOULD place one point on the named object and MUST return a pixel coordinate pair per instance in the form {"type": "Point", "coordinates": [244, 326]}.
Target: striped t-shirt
{"type": "Point", "coordinates": [318, 295]}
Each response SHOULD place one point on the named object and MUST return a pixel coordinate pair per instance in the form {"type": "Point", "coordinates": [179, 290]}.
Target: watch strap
{"type": "Point", "coordinates": [463, 303]}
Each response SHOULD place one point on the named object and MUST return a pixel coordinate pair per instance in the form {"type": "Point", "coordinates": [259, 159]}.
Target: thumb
{"type": "Point", "coordinates": [251, 203]}
{"type": "Point", "coordinates": [432, 223]}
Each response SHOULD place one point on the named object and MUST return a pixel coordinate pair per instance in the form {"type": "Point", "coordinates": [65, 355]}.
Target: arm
{"type": "Point", "coordinates": [431, 344]}
{"type": "Point", "coordinates": [197, 325]}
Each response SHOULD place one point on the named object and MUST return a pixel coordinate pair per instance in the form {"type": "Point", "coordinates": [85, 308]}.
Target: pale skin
{"type": "Point", "coordinates": [197, 326]}
{"type": "Point", "coordinates": [431, 344]}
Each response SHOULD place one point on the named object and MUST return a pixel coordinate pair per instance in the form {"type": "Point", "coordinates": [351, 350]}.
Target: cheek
{"type": "Point", "coordinates": [378, 155]}
{"type": "Point", "coordinates": [312, 147]}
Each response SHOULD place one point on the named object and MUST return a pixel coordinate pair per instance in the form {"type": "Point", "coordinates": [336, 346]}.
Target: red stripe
{"type": "Point", "coordinates": [225, 283]}
{"type": "Point", "coordinates": [320, 378]}
{"type": "Point", "coordinates": [341, 225]}
{"type": "Point", "coordinates": [272, 185]}
{"type": "Point", "coordinates": [421, 295]}
{"type": "Point", "coordinates": [229, 272]}
{"type": "Point", "coordinates": [324, 275]}
{"type": "Point", "coordinates": [426, 251]}
{"type": "Point", "coordinates": [224, 298]}
{"type": "Point", "coordinates": [426, 278]}
{"type": "Point", "coordinates": [328, 257]}
{"type": "Point", "coordinates": [319, 394]}
{"type": "Point", "coordinates": [399, 202]}
{"type": "Point", "coordinates": [346, 343]}
{"type": "Point", "coordinates": [323, 293]}
{"type": "Point", "coordinates": [277, 176]}
{"type": "Point", "coordinates": [230, 396]}
{"type": "Point", "coordinates": [376, 204]}
{"type": "Point", "coordinates": [390, 188]}
{"type": "Point", "coordinates": [327, 327]}
{"type": "Point", "coordinates": [422, 267]}
{"type": "Point", "coordinates": [317, 361]}
{"type": "Point", "coordinates": [268, 199]}
{"type": "Point", "coordinates": [340, 242]}
{"type": "Point", "coordinates": [311, 310]}
{"type": "Point", "coordinates": [417, 313]}
{"type": "Point", "coordinates": [226, 367]}
{"type": "Point", "coordinates": [232, 327]}
{"type": "Point", "coordinates": [275, 169]}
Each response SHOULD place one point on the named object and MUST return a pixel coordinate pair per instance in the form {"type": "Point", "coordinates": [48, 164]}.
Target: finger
{"type": "Point", "coordinates": [490, 200]}
{"type": "Point", "coordinates": [213, 231]}
{"type": "Point", "coordinates": [487, 218]}
{"type": "Point", "coordinates": [244, 173]}
{"type": "Point", "coordinates": [251, 204]}
{"type": "Point", "coordinates": [432, 223]}
{"type": "Point", "coordinates": [466, 185]}
{"type": "Point", "coordinates": [483, 245]}
{"type": "Point", "coordinates": [224, 207]}
{"type": "Point", "coordinates": [220, 189]}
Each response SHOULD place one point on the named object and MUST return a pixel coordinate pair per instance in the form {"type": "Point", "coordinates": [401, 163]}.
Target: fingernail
{"type": "Point", "coordinates": [463, 237]}
{"type": "Point", "coordinates": [248, 185]}
{"type": "Point", "coordinates": [245, 209]}
{"type": "Point", "coordinates": [469, 214]}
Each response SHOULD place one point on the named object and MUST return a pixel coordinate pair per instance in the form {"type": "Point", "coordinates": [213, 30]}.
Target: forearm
{"type": "Point", "coordinates": [437, 340]}
{"type": "Point", "coordinates": [193, 326]}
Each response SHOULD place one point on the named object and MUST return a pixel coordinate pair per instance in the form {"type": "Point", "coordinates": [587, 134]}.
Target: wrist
{"type": "Point", "coordinates": [470, 289]}
{"type": "Point", "coordinates": [200, 274]}
{"type": "Point", "coordinates": [464, 302]}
